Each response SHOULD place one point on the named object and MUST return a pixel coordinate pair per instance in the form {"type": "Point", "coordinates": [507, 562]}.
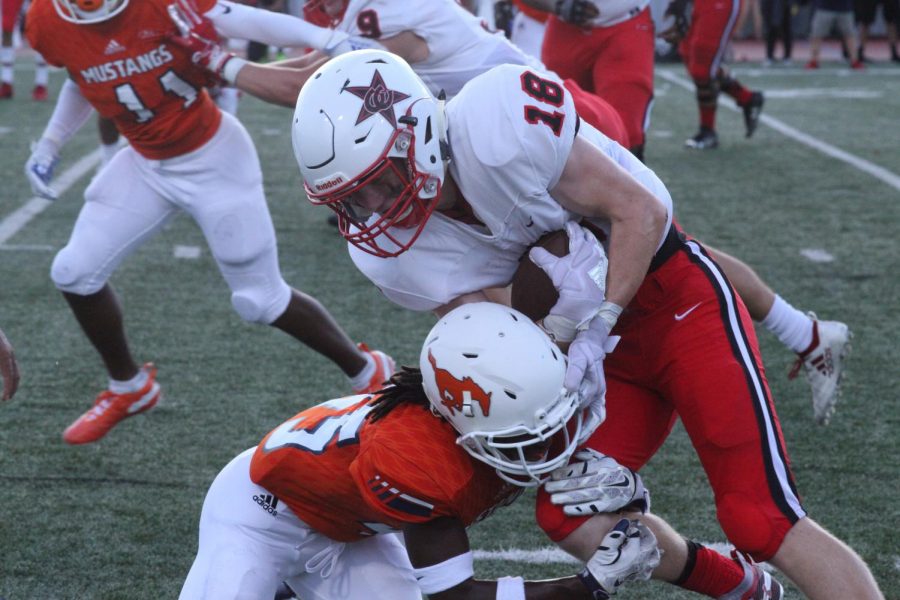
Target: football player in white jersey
{"type": "Point", "coordinates": [439, 203]}
{"type": "Point", "coordinates": [447, 46]}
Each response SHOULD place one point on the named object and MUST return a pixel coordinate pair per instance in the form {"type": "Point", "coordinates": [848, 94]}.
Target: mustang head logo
{"type": "Point", "coordinates": [459, 394]}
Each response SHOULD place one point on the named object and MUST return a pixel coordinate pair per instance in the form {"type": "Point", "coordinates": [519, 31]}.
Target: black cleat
{"type": "Point", "coordinates": [706, 139]}
{"type": "Point", "coordinates": [752, 110]}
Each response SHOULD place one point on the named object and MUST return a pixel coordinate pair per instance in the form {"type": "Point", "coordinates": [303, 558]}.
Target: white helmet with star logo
{"type": "Point", "coordinates": [363, 116]}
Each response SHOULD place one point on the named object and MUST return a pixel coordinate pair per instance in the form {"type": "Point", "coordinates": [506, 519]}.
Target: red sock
{"type": "Point", "coordinates": [708, 572]}
{"type": "Point", "coordinates": [708, 116]}
{"type": "Point", "coordinates": [733, 88]}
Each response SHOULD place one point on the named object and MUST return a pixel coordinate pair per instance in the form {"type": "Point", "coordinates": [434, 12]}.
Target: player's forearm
{"type": "Point", "coordinates": [72, 110]}
{"type": "Point", "coordinates": [273, 84]}
{"type": "Point", "coordinates": [632, 244]}
{"type": "Point", "coordinates": [276, 29]}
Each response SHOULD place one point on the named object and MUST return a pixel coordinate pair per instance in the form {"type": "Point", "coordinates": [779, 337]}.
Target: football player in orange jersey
{"type": "Point", "coordinates": [184, 154]}
{"type": "Point", "coordinates": [315, 504]}
{"type": "Point", "coordinates": [9, 369]}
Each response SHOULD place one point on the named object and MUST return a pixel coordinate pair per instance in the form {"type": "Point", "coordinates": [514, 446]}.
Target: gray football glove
{"type": "Point", "coordinates": [595, 483]}
{"type": "Point", "coordinates": [627, 553]}
{"type": "Point", "coordinates": [39, 168]}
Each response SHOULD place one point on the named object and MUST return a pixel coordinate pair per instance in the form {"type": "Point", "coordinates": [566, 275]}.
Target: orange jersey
{"type": "Point", "coordinates": [349, 478]}
{"type": "Point", "coordinates": [130, 72]}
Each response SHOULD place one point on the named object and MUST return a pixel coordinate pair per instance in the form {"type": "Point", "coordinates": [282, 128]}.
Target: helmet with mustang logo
{"type": "Point", "coordinates": [361, 117]}
{"type": "Point", "coordinates": [498, 379]}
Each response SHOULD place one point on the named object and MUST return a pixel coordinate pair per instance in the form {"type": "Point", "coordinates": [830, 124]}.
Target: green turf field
{"type": "Point", "coordinates": [118, 519]}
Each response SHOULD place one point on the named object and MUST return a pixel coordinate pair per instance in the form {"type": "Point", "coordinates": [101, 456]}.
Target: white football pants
{"type": "Point", "coordinates": [248, 546]}
{"type": "Point", "coordinates": [219, 185]}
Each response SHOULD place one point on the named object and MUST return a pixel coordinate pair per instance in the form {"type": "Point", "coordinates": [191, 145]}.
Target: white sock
{"type": "Point", "coordinates": [132, 385]}
{"type": "Point", "coordinates": [7, 59]}
{"type": "Point", "coordinates": [107, 151]}
{"type": "Point", "coordinates": [361, 379]}
{"type": "Point", "coordinates": [41, 73]}
{"type": "Point", "coordinates": [793, 328]}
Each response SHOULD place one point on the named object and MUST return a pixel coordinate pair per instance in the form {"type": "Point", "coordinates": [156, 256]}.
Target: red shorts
{"type": "Point", "coordinates": [11, 9]}
{"type": "Point", "coordinates": [712, 23]}
{"type": "Point", "coordinates": [615, 62]}
{"type": "Point", "coordinates": [688, 349]}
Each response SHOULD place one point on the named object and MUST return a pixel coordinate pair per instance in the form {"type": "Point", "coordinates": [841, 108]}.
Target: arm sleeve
{"type": "Point", "coordinates": [276, 29]}
{"type": "Point", "coordinates": [69, 114]}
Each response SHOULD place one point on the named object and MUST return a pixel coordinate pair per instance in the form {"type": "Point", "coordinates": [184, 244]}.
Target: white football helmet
{"type": "Point", "coordinates": [85, 12]}
{"type": "Point", "coordinates": [359, 115]}
{"type": "Point", "coordinates": [498, 379]}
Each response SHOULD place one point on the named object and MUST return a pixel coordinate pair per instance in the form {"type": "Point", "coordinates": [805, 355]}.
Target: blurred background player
{"type": "Point", "coordinates": [9, 369]}
{"type": "Point", "coordinates": [184, 154]}
{"type": "Point", "coordinates": [11, 10]}
{"type": "Point", "coordinates": [702, 45]}
{"type": "Point", "coordinates": [828, 14]}
{"type": "Point", "coordinates": [607, 47]}
{"type": "Point", "coordinates": [318, 502]}
{"type": "Point", "coordinates": [777, 16]}
{"type": "Point", "coordinates": [865, 15]}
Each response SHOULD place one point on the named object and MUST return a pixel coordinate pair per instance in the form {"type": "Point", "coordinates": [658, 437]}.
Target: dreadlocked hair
{"type": "Point", "coordinates": [405, 388]}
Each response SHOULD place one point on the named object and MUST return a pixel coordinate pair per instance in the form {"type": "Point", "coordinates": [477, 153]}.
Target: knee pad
{"type": "Point", "coordinates": [750, 527]}
{"type": "Point", "coordinates": [70, 275]}
{"type": "Point", "coordinates": [261, 303]}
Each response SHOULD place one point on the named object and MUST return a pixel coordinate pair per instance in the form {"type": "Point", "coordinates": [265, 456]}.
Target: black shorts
{"type": "Point", "coordinates": [865, 10]}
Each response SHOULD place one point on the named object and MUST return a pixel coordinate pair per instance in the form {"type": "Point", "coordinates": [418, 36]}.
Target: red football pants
{"type": "Point", "coordinates": [598, 112]}
{"type": "Point", "coordinates": [688, 349]}
{"type": "Point", "coordinates": [616, 63]}
{"type": "Point", "coordinates": [11, 10]}
{"type": "Point", "coordinates": [712, 23]}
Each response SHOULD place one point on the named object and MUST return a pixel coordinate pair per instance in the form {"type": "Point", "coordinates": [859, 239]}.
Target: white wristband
{"type": "Point", "coordinates": [443, 576]}
{"type": "Point", "coordinates": [510, 588]}
{"type": "Point", "coordinates": [231, 68]}
{"type": "Point", "coordinates": [609, 312]}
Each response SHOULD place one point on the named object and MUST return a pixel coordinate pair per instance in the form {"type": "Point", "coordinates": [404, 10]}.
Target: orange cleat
{"type": "Point", "coordinates": [384, 368]}
{"type": "Point", "coordinates": [39, 93]}
{"type": "Point", "coordinates": [110, 408]}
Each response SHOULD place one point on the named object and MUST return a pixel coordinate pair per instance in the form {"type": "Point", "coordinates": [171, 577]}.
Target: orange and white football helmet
{"type": "Point", "coordinates": [361, 115]}
{"type": "Point", "coordinates": [498, 379]}
{"type": "Point", "coordinates": [85, 12]}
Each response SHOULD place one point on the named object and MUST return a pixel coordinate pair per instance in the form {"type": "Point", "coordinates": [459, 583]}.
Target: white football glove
{"type": "Point", "coordinates": [39, 167]}
{"type": "Point", "coordinates": [627, 553]}
{"type": "Point", "coordinates": [580, 279]}
{"type": "Point", "coordinates": [596, 483]}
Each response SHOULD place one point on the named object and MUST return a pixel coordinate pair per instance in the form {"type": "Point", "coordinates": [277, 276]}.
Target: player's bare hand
{"type": "Point", "coordinates": [577, 12]}
{"type": "Point", "coordinates": [675, 32]}
{"type": "Point", "coordinates": [9, 369]}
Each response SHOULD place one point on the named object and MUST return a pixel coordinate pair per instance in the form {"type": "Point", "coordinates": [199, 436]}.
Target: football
{"type": "Point", "coordinates": [532, 292]}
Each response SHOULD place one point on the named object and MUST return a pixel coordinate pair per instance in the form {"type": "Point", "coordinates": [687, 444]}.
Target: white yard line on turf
{"type": "Point", "coordinates": [886, 176]}
{"type": "Point", "coordinates": [12, 223]}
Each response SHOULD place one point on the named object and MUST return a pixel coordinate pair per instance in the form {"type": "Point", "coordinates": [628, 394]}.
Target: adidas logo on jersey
{"type": "Point", "coordinates": [268, 503]}
{"type": "Point", "coordinates": [112, 47]}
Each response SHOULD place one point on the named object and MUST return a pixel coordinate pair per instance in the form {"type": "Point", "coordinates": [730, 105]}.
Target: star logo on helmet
{"type": "Point", "coordinates": [377, 99]}
{"type": "Point", "coordinates": [459, 394]}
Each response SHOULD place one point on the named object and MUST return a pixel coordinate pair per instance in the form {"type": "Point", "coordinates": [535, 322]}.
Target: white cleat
{"type": "Point", "coordinates": [824, 362]}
